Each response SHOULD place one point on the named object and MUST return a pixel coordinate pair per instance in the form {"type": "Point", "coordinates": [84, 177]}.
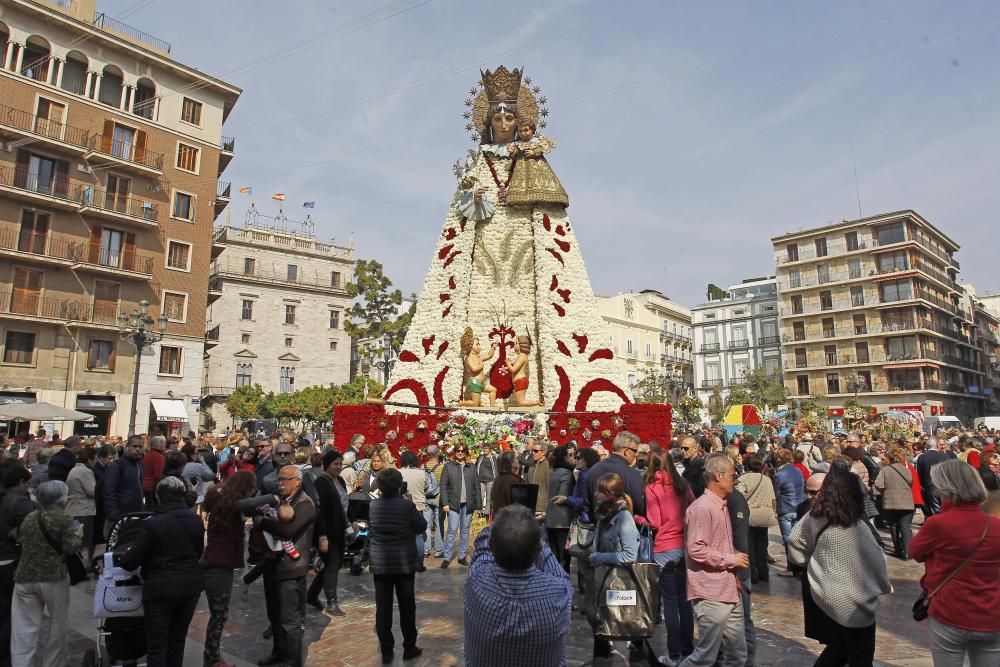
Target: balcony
{"type": "Point", "coordinates": [120, 263]}
{"type": "Point", "coordinates": [217, 392]}
{"type": "Point", "coordinates": [119, 208]}
{"type": "Point", "coordinates": [223, 191]}
{"type": "Point", "coordinates": [34, 188]}
{"type": "Point", "coordinates": [212, 337]}
{"type": "Point", "coordinates": [227, 146]}
{"type": "Point", "coordinates": [24, 125]}
{"type": "Point", "coordinates": [236, 271]}
{"type": "Point", "coordinates": [959, 361]}
{"type": "Point", "coordinates": [809, 254]}
{"type": "Point", "coordinates": [712, 383]}
{"type": "Point", "coordinates": [739, 344]}
{"type": "Point", "coordinates": [124, 154]}
{"type": "Point", "coordinates": [72, 312]}
{"type": "Point", "coordinates": [769, 341]}
{"type": "Point", "coordinates": [670, 335]}
{"type": "Point", "coordinates": [107, 24]}
{"type": "Point", "coordinates": [40, 249]}
{"type": "Point", "coordinates": [710, 347]}
{"type": "Point", "coordinates": [214, 289]}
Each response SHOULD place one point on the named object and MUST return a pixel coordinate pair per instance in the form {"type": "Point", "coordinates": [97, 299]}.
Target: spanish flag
{"type": "Point", "coordinates": [246, 190]}
{"type": "Point", "coordinates": [278, 196]}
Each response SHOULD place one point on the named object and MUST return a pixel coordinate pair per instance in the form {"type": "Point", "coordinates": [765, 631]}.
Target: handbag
{"type": "Point", "coordinates": [761, 517]}
{"type": "Point", "coordinates": [626, 601]}
{"type": "Point", "coordinates": [581, 534]}
{"type": "Point", "coordinates": [923, 603]}
{"type": "Point", "coordinates": [74, 563]}
{"type": "Point", "coordinates": [645, 554]}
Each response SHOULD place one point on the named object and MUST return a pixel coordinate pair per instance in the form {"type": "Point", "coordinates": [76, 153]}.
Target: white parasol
{"type": "Point", "coordinates": [28, 412]}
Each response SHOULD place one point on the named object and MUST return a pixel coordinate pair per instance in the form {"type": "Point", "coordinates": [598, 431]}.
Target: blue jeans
{"type": "Point", "coordinates": [678, 613]}
{"type": "Point", "coordinates": [431, 517]}
{"type": "Point", "coordinates": [455, 516]}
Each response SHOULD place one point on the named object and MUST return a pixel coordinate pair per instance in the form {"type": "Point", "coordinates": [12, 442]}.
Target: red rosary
{"type": "Point", "coordinates": [502, 187]}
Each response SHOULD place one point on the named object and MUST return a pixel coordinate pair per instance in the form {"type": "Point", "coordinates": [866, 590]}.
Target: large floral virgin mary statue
{"type": "Point", "coordinates": [507, 276]}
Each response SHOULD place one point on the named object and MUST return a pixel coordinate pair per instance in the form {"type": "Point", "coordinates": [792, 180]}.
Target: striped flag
{"type": "Point", "coordinates": [278, 196]}
{"type": "Point", "coordinates": [309, 204]}
{"type": "Point", "coordinates": [246, 190]}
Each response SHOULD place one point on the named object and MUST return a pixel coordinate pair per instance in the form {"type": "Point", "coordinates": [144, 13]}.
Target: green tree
{"type": "Point", "coordinates": [286, 408]}
{"type": "Point", "coordinates": [714, 292]}
{"type": "Point", "coordinates": [652, 387]}
{"type": "Point", "coordinates": [353, 392]}
{"type": "Point", "coordinates": [247, 402]}
{"type": "Point", "coordinates": [766, 390]}
{"type": "Point", "coordinates": [317, 403]}
{"type": "Point", "coordinates": [374, 314]}
{"type": "Point", "coordinates": [737, 396]}
{"type": "Point", "coordinates": [716, 406]}
{"type": "Point", "coordinates": [689, 409]}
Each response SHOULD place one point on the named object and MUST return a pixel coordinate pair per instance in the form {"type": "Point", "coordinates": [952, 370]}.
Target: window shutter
{"type": "Point", "coordinates": [62, 178]}
{"type": "Point", "coordinates": [21, 170]}
{"type": "Point", "coordinates": [108, 136]}
{"type": "Point", "coordinates": [91, 355]}
{"type": "Point", "coordinates": [140, 146]}
{"type": "Point", "coordinates": [95, 244]}
{"type": "Point", "coordinates": [111, 357]}
{"type": "Point", "coordinates": [128, 254]}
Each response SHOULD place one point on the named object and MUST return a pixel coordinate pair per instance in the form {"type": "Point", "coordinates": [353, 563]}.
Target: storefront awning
{"type": "Point", "coordinates": [169, 410]}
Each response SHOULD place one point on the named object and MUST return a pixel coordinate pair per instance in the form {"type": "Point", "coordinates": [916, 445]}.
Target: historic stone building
{"type": "Point", "coordinates": [277, 303]}
{"type": "Point", "coordinates": [110, 155]}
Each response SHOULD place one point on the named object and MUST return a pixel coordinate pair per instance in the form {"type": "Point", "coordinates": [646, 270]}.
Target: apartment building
{"type": "Point", "coordinates": [277, 304]}
{"type": "Point", "coordinates": [110, 155]}
{"type": "Point", "coordinates": [676, 349]}
{"type": "Point", "coordinates": [633, 334]}
{"type": "Point", "coordinates": [735, 335]}
{"type": "Point", "coordinates": [987, 322]}
{"type": "Point", "coordinates": [872, 308]}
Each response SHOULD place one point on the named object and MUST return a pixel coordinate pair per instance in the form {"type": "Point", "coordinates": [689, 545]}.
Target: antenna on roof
{"type": "Point", "coordinates": [857, 187]}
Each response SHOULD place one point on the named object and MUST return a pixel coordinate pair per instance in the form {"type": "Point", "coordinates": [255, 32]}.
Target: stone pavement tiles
{"type": "Point", "coordinates": [350, 641]}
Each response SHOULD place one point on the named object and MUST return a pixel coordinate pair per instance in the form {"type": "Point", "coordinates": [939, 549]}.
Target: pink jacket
{"type": "Point", "coordinates": [665, 513]}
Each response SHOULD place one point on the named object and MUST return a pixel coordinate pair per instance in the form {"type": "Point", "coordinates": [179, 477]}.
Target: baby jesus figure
{"type": "Point", "coordinates": [533, 181]}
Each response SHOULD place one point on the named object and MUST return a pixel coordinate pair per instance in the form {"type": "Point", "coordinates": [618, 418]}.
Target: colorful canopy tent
{"type": "Point", "coordinates": [742, 419]}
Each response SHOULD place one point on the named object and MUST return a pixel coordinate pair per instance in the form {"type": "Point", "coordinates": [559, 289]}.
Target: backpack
{"type": "Point", "coordinates": [433, 489]}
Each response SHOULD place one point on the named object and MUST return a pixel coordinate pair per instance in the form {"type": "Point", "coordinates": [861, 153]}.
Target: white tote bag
{"type": "Point", "coordinates": [118, 593]}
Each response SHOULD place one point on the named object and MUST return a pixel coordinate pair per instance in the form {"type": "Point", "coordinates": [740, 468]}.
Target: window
{"type": "Point", "coordinates": [802, 382]}
{"type": "Point", "coordinates": [794, 278]}
{"type": "Point", "coordinates": [333, 345]}
{"type": "Point", "coordinates": [183, 208]}
{"type": "Point", "coordinates": [823, 273]}
{"type": "Point", "coordinates": [106, 302]}
{"type": "Point", "coordinates": [191, 111]}
{"type": "Point", "coordinates": [288, 342]}
{"type": "Point", "coordinates": [26, 293]}
{"type": "Point", "coordinates": [244, 375]}
{"type": "Point", "coordinates": [175, 306]}
{"type": "Point", "coordinates": [739, 311]}
{"type": "Point", "coordinates": [116, 195]}
{"type": "Point", "coordinates": [821, 247]}
{"type": "Point", "coordinates": [798, 330]}
{"type": "Point", "coordinates": [628, 347]}
{"type": "Point", "coordinates": [287, 379]}
{"type": "Point", "coordinates": [894, 233]}
{"type": "Point", "coordinates": [170, 360]}
{"type": "Point", "coordinates": [245, 339]}
{"type": "Point", "coordinates": [826, 300]}
{"type": "Point", "coordinates": [335, 278]}
{"type": "Point", "coordinates": [740, 369]}
{"type": "Point", "coordinates": [797, 304]}
{"type": "Point", "coordinates": [293, 273]}
{"type": "Point", "coordinates": [896, 290]}
{"type": "Point", "coordinates": [49, 119]}
{"type": "Point", "coordinates": [111, 248]}
{"type": "Point", "coordinates": [892, 261]}
{"type": "Point", "coordinates": [772, 366]}
{"type": "Point", "coordinates": [249, 266]}
{"type": "Point", "coordinates": [41, 174]}
{"type": "Point", "coordinates": [857, 296]}
{"type": "Point", "coordinates": [792, 253]}
{"type": "Point", "coordinates": [334, 319]}
{"type": "Point", "coordinates": [19, 347]}
{"type": "Point", "coordinates": [101, 355]}
{"type": "Point", "coordinates": [713, 371]}
{"type": "Point", "coordinates": [187, 158]}
{"type": "Point", "coordinates": [649, 351]}
{"type": "Point", "coordinates": [901, 348]}
{"type": "Point", "coordinates": [289, 314]}
{"type": "Point", "coordinates": [247, 311]}
{"type": "Point", "coordinates": [860, 325]}
{"type": "Point", "coordinates": [854, 269]}
{"type": "Point", "coordinates": [178, 255]}
{"type": "Point", "coordinates": [830, 355]}
{"type": "Point", "coordinates": [801, 360]}
{"type": "Point", "coordinates": [829, 330]}
{"type": "Point", "coordinates": [861, 352]}
{"type": "Point", "coordinates": [851, 238]}
{"type": "Point", "coordinates": [833, 383]}
{"type": "Point", "coordinates": [34, 231]}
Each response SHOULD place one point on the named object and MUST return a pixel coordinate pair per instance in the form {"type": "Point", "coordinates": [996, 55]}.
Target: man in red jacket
{"type": "Point", "coordinates": [152, 468]}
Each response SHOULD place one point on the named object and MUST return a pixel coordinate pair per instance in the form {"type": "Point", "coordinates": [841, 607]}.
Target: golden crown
{"type": "Point", "coordinates": [502, 85]}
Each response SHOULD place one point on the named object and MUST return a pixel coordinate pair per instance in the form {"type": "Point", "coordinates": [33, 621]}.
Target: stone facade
{"type": "Point", "coordinates": [272, 324]}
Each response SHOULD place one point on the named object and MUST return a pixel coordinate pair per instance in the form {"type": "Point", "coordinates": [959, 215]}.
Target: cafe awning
{"type": "Point", "coordinates": [169, 410]}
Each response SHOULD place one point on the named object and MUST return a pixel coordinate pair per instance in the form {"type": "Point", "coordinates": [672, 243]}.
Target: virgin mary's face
{"type": "Point", "coordinates": [504, 124]}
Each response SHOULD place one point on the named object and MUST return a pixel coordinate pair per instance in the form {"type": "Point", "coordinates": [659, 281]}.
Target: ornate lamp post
{"type": "Point", "coordinates": [137, 328]}
{"type": "Point", "coordinates": [855, 383]}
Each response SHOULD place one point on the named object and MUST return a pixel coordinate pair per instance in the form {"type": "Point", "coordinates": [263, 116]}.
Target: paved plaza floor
{"type": "Point", "coordinates": [350, 641]}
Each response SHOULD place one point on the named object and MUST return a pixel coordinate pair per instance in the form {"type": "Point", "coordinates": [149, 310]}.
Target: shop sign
{"type": "Point", "coordinates": [88, 403]}
{"type": "Point", "coordinates": [906, 408]}
{"type": "Point", "coordinates": [835, 412]}
{"type": "Point", "coordinates": [13, 399]}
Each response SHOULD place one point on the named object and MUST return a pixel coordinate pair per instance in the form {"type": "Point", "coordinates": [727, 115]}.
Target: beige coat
{"type": "Point", "coordinates": [895, 484]}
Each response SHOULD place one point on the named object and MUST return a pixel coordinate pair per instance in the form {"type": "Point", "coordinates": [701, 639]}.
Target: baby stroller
{"type": "Point", "coordinates": [356, 549]}
{"type": "Point", "coordinates": [121, 633]}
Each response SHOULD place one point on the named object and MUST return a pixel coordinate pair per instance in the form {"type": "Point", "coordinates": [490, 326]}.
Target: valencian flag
{"type": "Point", "coordinates": [246, 190]}
{"type": "Point", "coordinates": [309, 204]}
{"type": "Point", "coordinates": [278, 196]}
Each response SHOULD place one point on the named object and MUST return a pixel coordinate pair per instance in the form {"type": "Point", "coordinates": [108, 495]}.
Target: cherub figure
{"type": "Point", "coordinates": [518, 367]}
{"type": "Point", "coordinates": [529, 144]}
{"type": "Point", "coordinates": [475, 371]}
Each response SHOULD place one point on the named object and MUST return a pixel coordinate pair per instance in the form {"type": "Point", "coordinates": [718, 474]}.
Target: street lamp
{"type": "Point", "coordinates": [855, 383]}
{"type": "Point", "coordinates": [137, 328]}
{"type": "Point", "coordinates": [385, 364]}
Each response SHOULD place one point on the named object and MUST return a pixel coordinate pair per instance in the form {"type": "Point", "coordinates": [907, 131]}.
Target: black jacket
{"type": "Point", "coordinates": [60, 464]}
{"type": "Point", "coordinates": [694, 473]}
{"type": "Point", "coordinates": [394, 524]}
{"type": "Point", "coordinates": [331, 521]}
{"type": "Point", "coordinates": [739, 517]}
{"type": "Point", "coordinates": [168, 549]}
{"type": "Point", "coordinates": [632, 478]}
{"type": "Point", "coordinates": [122, 488]}
{"type": "Point", "coordinates": [451, 486]}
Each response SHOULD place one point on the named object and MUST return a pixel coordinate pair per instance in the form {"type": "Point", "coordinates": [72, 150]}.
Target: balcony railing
{"type": "Point", "coordinates": [104, 22]}
{"type": "Point", "coordinates": [739, 344]}
{"type": "Point", "coordinates": [112, 202]}
{"type": "Point", "coordinates": [213, 333]}
{"type": "Point", "coordinates": [116, 259]}
{"type": "Point", "coordinates": [712, 383]}
{"type": "Point", "coordinates": [806, 253]}
{"type": "Point", "coordinates": [236, 270]}
{"type": "Point", "coordinates": [710, 347]}
{"type": "Point", "coordinates": [769, 340]}
{"type": "Point", "coordinates": [223, 189]}
{"type": "Point", "coordinates": [38, 244]}
{"type": "Point", "coordinates": [43, 127]}
{"type": "Point", "coordinates": [228, 144]}
{"type": "Point", "coordinates": [125, 150]}
{"type": "Point", "coordinates": [24, 179]}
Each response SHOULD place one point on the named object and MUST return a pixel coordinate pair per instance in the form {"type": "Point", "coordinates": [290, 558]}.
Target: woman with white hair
{"type": "Point", "coordinates": [960, 549]}
{"type": "Point", "coordinates": [41, 583]}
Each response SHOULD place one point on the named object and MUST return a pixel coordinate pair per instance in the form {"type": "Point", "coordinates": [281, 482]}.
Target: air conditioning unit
{"type": "Point", "coordinates": [83, 168]}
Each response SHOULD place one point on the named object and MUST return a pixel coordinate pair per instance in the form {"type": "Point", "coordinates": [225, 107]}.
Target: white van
{"type": "Point", "coordinates": [934, 424]}
{"type": "Point", "coordinates": [992, 423]}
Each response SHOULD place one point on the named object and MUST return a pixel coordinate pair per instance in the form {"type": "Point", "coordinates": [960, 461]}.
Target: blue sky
{"type": "Point", "coordinates": [689, 133]}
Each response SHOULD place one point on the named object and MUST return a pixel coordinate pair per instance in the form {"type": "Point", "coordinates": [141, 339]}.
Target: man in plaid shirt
{"type": "Point", "coordinates": [518, 599]}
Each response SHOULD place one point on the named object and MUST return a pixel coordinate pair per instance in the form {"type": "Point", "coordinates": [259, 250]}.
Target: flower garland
{"type": "Point", "coordinates": [476, 430]}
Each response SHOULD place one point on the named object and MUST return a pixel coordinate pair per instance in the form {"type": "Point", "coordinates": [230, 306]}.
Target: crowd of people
{"type": "Point", "coordinates": [707, 501]}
